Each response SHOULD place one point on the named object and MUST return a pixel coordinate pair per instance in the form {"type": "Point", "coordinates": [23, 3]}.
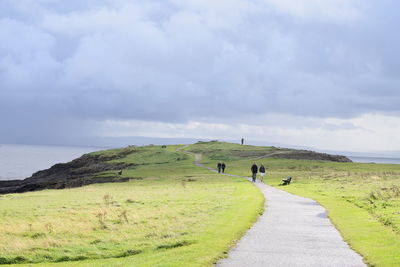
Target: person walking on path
{"type": "Point", "coordinates": [262, 172]}
{"type": "Point", "coordinates": [223, 166]}
{"type": "Point", "coordinates": [219, 167]}
{"type": "Point", "coordinates": [254, 170]}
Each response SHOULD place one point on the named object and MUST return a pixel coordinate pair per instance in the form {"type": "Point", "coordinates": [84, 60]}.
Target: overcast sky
{"type": "Point", "coordinates": [318, 73]}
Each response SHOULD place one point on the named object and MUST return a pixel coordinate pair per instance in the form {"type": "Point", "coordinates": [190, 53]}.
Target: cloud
{"type": "Point", "coordinates": [366, 133]}
{"type": "Point", "coordinates": [336, 10]}
{"type": "Point", "coordinates": [196, 61]}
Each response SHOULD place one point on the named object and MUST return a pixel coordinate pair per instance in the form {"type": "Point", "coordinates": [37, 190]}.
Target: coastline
{"type": "Point", "coordinates": [374, 160]}
{"type": "Point", "coordinates": [18, 161]}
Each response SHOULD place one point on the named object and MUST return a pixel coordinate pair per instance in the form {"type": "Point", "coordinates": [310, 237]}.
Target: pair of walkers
{"type": "Point", "coordinates": [221, 167]}
{"type": "Point", "coordinates": [255, 170]}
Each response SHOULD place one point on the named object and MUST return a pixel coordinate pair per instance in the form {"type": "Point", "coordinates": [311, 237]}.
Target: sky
{"type": "Point", "coordinates": [313, 73]}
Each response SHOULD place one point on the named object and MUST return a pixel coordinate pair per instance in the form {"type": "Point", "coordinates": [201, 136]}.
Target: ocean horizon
{"type": "Point", "coordinates": [376, 160]}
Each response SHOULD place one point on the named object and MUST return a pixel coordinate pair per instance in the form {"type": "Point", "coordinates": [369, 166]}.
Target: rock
{"type": "Point", "coordinates": [79, 172]}
{"type": "Point", "coordinates": [311, 155]}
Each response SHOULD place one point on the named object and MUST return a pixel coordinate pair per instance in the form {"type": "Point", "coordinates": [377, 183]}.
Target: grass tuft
{"type": "Point", "coordinates": [174, 245]}
{"type": "Point", "coordinates": [129, 252]}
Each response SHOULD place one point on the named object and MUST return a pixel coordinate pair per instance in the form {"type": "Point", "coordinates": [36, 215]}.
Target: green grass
{"type": "Point", "coordinates": [171, 214]}
{"type": "Point", "coordinates": [363, 200]}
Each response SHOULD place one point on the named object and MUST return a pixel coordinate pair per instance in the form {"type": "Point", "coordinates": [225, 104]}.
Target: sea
{"type": "Point", "coordinates": [21, 161]}
{"type": "Point", "coordinates": [377, 160]}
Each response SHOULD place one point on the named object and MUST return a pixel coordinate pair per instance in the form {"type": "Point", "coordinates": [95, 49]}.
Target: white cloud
{"type": "Point", "coordinates": [337, 10]}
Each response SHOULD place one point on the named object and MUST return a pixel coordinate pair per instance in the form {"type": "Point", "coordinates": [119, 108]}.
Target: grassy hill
{"type": "Point", "coordinates": [164, 211]}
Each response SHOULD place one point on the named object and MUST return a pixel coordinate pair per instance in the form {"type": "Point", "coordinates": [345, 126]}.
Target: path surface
{"type": "Point", "coordinates": [293, 231]}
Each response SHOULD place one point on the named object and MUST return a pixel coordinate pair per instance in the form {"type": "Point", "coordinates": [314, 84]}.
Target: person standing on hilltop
{"type": "Point", "coordinates": [242, 141]}
{"type": "Point", "coordinates": [219, 166]}
{"type": "Point", "coordinates": [223, 167]}
{"type": "Point", "coordinates": [262, 172]}
{"type": "Point", "coordinates": [254, 170]}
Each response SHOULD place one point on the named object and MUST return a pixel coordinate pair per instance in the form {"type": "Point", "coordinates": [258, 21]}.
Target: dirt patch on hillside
{"type": "Point", "coordinates": [291, 154]}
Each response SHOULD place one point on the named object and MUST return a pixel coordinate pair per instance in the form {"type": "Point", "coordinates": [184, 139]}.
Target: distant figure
{"type": "Point", "coordinates": [254, 170]}
{"type": "Point", "coordinates": [287, 181]}
{"type": "Point", "coordinates": [219, 167]}
{"type": "Point", "coordinates": [262, 172]}
{"type": "Point", "coordinates": [223, 167]}
{"type": "Point", "coordinates": [242, 141]}
{"type": "Point", "coordinates": [120, 172]}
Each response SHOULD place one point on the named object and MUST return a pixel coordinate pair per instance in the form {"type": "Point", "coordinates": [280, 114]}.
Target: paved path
{"type": "Point", "coordinates": [293, 231]}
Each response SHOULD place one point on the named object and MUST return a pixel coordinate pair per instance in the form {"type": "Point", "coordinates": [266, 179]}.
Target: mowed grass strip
{"type": "Point", "coordinates": [362, 200]}
{"type": "Point", "coordinates": [171, 213]}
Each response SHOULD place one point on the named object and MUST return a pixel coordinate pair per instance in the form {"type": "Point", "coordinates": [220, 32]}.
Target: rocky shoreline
{"type": "Point", "coordinates": [312, 155]}
{"type": "Point", "coordinates": [88, 169]}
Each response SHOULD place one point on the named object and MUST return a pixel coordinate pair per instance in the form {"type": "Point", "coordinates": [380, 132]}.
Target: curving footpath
{"type": "Point", "coordinates": [293, 231]}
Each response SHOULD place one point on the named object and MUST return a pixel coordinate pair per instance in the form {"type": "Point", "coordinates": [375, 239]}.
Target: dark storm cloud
{"type": "Point", "coordinates": [179, 60]}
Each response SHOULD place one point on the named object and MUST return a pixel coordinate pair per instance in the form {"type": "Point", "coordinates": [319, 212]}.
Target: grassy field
{"type": "Point", "coordinates": [363, 200]}
{"type": "Point", "coordinates": [170, 213]}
